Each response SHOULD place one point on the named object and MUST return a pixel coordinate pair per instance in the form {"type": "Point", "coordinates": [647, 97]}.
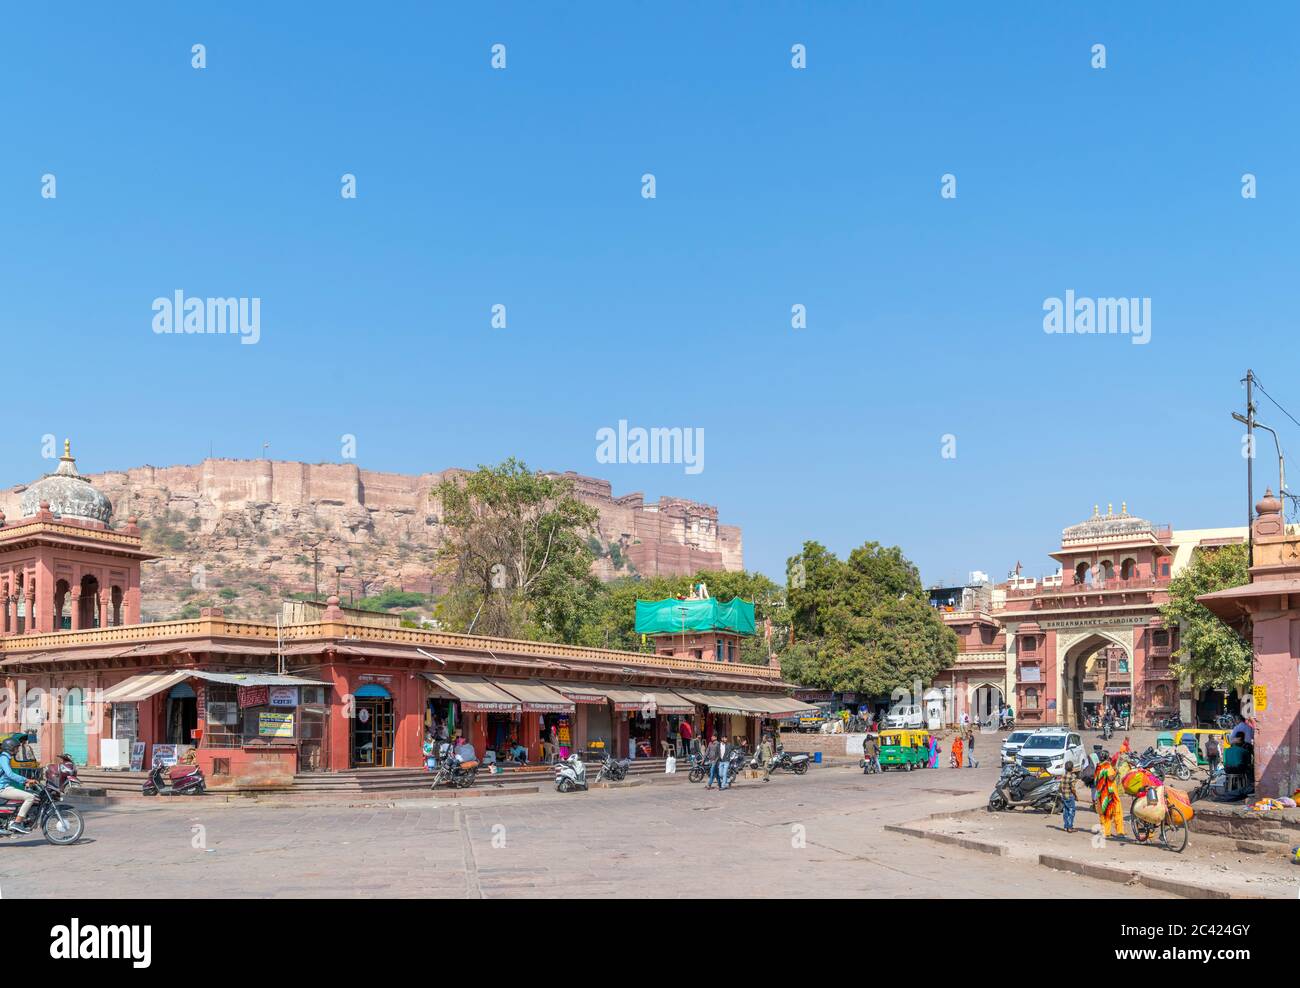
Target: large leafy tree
{"type": "Point", "coordinates": [516, 553]}
{"type": "Point", "coordinates": [862, 623]}
{"type": "Point", "coordinates": [1211, 654]}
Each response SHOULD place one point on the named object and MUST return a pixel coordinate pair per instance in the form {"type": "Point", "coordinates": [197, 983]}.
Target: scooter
{"type": "Point", "coordinates": [571, 775]}
{"type": "Point", "coordinates": [1016, 787]}
{"type": "Point", "coordinates": [179, 780]}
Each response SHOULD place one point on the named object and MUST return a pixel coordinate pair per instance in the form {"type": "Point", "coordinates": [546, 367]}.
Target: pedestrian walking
{"type": "Point", "coordinates": [1069, 783]}
{"type": "Point", "coordinates": [684, 735]}
{"type": "Point", "coordinates": [934, 752]}
{"type": "Point", "coordinates": [711, 762]}
{"type": "Point", "coordinates": [724, 763]}
{"type": "Point", "coordinates": [1105, 788]}
{"type": "Point", "coordinates": [765, 757]}
{"type": "Point", "coordinates": [1213, 753]}
{"type": "Point", "coordinates": [970, 749]}
{"type": "Point", "coordinates": [954, 759]}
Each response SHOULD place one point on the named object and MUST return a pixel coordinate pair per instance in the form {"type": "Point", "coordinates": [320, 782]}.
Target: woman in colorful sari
{"type": "Point", "coordinates": [955, 760]}
{"type": "Point", "coordinates": [934, 752]}
{"type": "Point", "coordinates": [1105, 788]}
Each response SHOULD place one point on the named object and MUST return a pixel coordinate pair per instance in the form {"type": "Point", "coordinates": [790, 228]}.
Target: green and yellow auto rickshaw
{"type": "Point", "coordinates": [904, 749]}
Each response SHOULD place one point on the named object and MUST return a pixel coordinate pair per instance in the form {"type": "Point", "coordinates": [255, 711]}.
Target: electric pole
{"type": "Point", "coordinates": [1250, 468]}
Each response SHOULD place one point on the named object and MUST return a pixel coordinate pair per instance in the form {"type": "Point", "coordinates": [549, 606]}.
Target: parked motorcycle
{"type": "Point", "coordinates": [178, 780]}
{"type": "Point", "coordinates": [59, 823]}
{"type": "Point", "coordinates": [1172, 723]}
{"type": "Point", "coordinates": [570, 774]}
{"type": "Point", "coordinates": [613, 769]}
{"type": "Point", "coordinates": [453, 771]}
{"type": "Point", "coordinates": [1016, 787]}
{"type": "Point", "coordinates": [796, 763]}
{"type": "Point", "coordinates": [1226, 721]}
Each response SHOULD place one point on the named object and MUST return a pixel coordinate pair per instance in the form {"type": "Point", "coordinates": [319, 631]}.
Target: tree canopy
{"type": "Point", "coordinates": [863, 623]}
{"type": "Point", "coordinates": [1210, 654]}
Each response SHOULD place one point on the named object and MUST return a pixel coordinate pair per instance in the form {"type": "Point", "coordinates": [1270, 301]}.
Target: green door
{"type": "Point", "coordinates": [74, 726]}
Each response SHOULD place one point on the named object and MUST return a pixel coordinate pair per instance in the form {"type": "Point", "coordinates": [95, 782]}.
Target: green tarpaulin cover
{"type": "Point", "coordinates": [657, 617]}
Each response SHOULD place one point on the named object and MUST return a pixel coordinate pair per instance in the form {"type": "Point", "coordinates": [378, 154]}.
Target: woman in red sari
{"type": "Point", "coordinates": [955, 760]}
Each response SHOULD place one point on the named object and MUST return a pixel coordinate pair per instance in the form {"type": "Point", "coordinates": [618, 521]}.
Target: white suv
{"type": "Point", "coordinates": [905, 715]}
{"type": "Point", "coordinates": [1011, 745]}
{"type": "Point", "coordinates": [1050, 748]}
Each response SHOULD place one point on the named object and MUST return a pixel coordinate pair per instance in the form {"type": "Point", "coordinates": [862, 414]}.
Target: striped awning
{"type": "Point", "coordinates": [145, 685]}
{"type": "Point", "coordinates": [724, 703]}
{"type": "Point", "coordinates": [475, 693]}
{"type": "Point", "coordinates": [536, 697]}
{"type": "Point", "coordinates": [774, 706]}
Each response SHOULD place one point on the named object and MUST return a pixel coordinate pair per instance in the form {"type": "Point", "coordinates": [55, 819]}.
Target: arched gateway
{"type": "Point", "coordinates": [1092, 637]}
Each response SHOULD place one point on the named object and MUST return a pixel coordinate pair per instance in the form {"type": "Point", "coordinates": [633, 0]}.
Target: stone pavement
{"type": "Point", "coordinates": [821, 835]}
{"type": "Point", "coordinates": [1210, 865]}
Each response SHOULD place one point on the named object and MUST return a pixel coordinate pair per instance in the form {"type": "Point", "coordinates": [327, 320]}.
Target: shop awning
{"type": "Point", "coordinates": [1092, 696]}
{"type": "Point", "coordinates": [536, 697]}
{"type": "Point", "coordinates": [255, 679]}
{"type": "Point", "coordinates": [475, 693]}
{"type": "Point", "coordinates": [625, 700]}
{"type": "Point", "coordinates": [726, 703]}
{"type": "Point", "coordinates": [670, 703]}
{"type": "Point", "coordinates": [578, 693]}
{"type": "Point", "coordinates": [145, 685]}
{"type": "Point", "coordinates": [775, 707]}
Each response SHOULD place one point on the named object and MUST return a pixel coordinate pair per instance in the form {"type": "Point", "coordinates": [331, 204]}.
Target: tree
{"type": "Point", "coordinates": [516, 551]}
{"type": "Point", "coordinates": [862, 624]}
{"type": "Point", "coordinates": [1211, 654]}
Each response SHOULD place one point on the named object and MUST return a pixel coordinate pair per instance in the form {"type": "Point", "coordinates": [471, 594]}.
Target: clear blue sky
{"type": "Point", "coordinates": [775, 187]}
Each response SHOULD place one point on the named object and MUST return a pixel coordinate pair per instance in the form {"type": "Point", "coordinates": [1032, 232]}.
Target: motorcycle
{"type": "Point", "coordinates": [453, 771]}
{"type": "Point", "coordinates": [179, 780]}
{"type": "Point", "coordinates": [570, 774]}
{"type": "Point", "coordinates": [797, 763]}
{"type": "Point", "coordinates": [1226, 721]}
{"type": "Point", "coordinates": [613, 769]}
{"type": "Point", "coordinates": [1016, 787]}
{"type": "Point", "coordinates": [59, 823]}
{"type": "Point", "coordinates": [1172, 723]}
{"type": "Point", "coordinates": [1107, 729]}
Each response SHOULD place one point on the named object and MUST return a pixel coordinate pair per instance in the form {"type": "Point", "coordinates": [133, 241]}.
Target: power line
{"type": "Point", "coordinates": [1275, 402]}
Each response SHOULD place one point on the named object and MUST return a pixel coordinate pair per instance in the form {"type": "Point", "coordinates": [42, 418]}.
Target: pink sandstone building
{"type": "Point", "coordinates": [1067, 646]}
{"type": "Point", "coordinates": [330, 690]}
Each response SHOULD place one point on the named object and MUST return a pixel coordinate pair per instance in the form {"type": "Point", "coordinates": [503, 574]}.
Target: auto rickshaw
{"type": "Point", "coordinates": [1194, 738]}
{"type": "Point", "coordinates": [24, 761]}
{"type": "Point", "coordinates": [904, 749]}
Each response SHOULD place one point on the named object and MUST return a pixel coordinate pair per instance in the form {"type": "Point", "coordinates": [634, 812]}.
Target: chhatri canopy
{"type": "Point", "coordinates": [658, 617]}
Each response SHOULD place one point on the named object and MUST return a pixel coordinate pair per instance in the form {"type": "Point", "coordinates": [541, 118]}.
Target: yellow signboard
{"type": "Point", "coordinates": [271, 724]}
{"type": "Point", "coordinates": [1261, 698]}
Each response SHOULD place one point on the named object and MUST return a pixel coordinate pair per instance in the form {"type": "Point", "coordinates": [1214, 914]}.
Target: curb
{"type": "Point", "coordinates": [1108, 873]}
{"type": "Point", "coordinates": [997, 850]}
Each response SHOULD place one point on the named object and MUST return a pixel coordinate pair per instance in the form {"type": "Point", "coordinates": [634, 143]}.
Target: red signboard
{"type": "Point", "coordinates": [254, 696]}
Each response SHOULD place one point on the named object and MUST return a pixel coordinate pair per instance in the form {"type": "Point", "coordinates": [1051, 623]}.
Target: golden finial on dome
{"type": "Point", "coordinates": [1110, 509]}
{"type": "Point", "coordinates": [1123, 507]}
{"type": "Point", "coordinates": [1096, 510]}
{"type": "Point", "coordinates": [67, 447]}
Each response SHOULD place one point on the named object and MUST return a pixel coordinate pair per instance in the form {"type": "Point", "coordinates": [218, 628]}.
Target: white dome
{"type": "Point", "coordinates": [69, 494]}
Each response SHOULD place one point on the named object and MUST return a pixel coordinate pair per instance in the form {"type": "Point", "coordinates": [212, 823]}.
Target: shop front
{"type": "Point", "coordinates": [490, 717]}
{"type": "Point", "coordinates": [590, 719]}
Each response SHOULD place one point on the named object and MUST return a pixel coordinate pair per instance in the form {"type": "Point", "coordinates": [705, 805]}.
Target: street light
{"type": "Point", "coordinates": [338, 577]}
{"type": "Point", "coordinates": [1281, 460]}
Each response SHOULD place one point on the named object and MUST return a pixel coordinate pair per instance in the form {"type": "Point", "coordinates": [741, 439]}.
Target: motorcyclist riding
{"type": "Point", "coordinates": [15, 787]}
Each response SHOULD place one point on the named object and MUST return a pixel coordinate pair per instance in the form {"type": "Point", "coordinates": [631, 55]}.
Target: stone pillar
{"type": "Point", "coordinates": [74, 606]}
{"type": "Point", "coordinates": [105, 606]}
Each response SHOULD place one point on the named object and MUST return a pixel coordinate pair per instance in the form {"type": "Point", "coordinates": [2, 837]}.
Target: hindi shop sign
{"type": "Point", "coordinates": [254, 696]}
{"type": "Point", "coordinates": [284, 696]}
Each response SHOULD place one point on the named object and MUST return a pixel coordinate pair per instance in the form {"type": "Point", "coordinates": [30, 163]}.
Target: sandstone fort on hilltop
{"type": "Point", "coordinates": [251, 530]}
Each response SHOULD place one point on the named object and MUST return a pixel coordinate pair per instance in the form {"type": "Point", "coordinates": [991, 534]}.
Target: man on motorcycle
{"type": "Point", "coordinates": [15, 787]}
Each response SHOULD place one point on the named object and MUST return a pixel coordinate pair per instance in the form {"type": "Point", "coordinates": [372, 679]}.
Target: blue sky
{"type": "Point", "coordinates": [775, 186]}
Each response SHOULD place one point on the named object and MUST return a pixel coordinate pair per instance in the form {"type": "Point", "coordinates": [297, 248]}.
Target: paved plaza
{"type": "Point", "coordinates": [819, 835]}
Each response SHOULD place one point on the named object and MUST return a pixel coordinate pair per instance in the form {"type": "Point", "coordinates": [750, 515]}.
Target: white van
{"type": "Point", "coordinates": [906, 715]}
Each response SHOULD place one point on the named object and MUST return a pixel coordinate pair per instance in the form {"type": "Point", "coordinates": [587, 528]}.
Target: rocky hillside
{"type": "Point", "coordinates": [245, 534]}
